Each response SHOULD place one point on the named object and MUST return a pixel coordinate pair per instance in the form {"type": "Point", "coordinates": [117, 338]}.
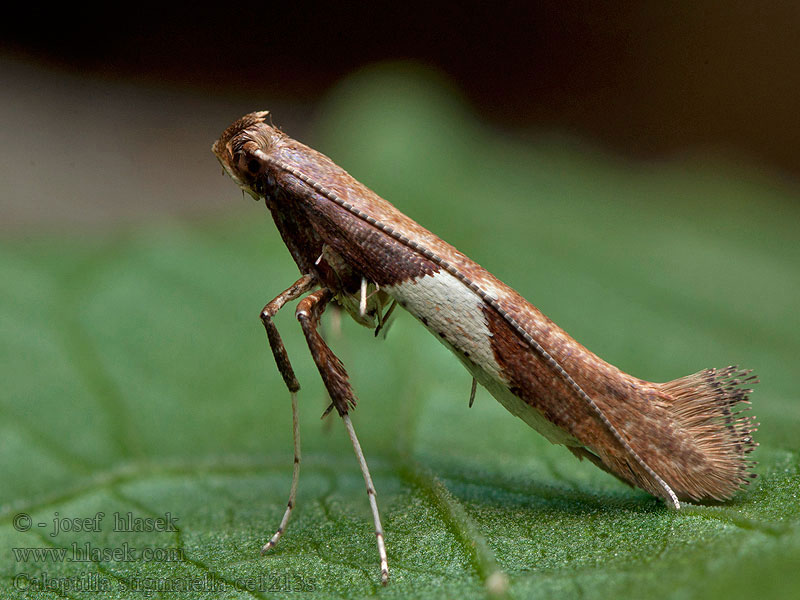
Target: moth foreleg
{"type": "Point", "coordinates": [295, 478]}
{"type": "Point", "coordinates": [297, 289]}
{"type": "Point", "coordinates": [300, 287]}
{"type": "Point", "coordinates": [336, 381]}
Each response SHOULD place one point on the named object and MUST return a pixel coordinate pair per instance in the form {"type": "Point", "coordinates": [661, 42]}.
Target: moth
{"type": "Point", "coordinates": [685, 439]}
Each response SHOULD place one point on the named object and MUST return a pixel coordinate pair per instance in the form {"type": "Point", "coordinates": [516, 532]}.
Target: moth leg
{"type": "Point", "coordinates": [300, 287]}
{"type": "Point", "coordinates": [336, 381]}
{"type": "Point", "coordinates": [362, 305]}
{"type": "Point", "coordinates": [384, 323]}
{"type": "Point", "coordinates": [373, 502]}
{"type": "Point", "coordinates": [297, 289]}
{"type": "Point", "coordinates": [333, 374]}
{"type": "Point", "coordinates": [295, 478]}
{"type": "Point", "coordinates": [472, 391]}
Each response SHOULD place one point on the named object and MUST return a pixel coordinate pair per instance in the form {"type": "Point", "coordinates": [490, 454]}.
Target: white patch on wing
{"type": "Point", "coordinates": [445, 305]}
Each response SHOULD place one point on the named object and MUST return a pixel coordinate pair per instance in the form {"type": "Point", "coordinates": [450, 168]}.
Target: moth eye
{"type": "Point", "coordinates": [253, 166]}
{"type": "Point", "coordinates": [249, 164]}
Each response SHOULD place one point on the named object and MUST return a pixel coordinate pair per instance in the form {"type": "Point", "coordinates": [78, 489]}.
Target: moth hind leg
{"type": "Point", "coordinates": [334, 376]}
{"type": "Point", "coordinates": [336, 380]}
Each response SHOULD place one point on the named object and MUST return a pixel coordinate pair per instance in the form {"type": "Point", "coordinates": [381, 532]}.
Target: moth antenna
{"type": "Point", "coordinates": [373, 503]}
{"type": "Point", "coordinates": [295, 478]}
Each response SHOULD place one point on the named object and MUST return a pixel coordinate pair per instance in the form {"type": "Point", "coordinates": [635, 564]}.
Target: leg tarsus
{"type": "Point", "coordinates": [373, 502]}
{"type": "Point", "coordinates": [295, 478]}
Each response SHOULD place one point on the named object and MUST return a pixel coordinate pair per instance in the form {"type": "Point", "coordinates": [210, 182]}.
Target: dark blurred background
{"type": "Point", "coordinates": [643, 79]}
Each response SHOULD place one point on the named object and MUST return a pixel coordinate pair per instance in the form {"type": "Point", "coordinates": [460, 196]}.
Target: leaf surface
{"type": "Point", "coordinates": [137, 379]}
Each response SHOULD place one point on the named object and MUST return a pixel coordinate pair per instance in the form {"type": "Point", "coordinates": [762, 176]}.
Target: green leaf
{"type": "Point", "coordinates": [137, 379]}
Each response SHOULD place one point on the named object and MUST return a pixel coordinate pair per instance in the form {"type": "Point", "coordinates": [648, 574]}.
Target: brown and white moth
{"type": "Point", "coordinates": [684, 439]}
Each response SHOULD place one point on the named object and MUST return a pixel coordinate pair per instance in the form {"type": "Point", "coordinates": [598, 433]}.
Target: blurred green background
{"type": "Point", "coordinates": [137, 377]}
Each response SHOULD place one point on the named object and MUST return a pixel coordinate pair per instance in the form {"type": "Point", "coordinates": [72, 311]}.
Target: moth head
{"type": "Point", "coordinates": [243, 148]}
